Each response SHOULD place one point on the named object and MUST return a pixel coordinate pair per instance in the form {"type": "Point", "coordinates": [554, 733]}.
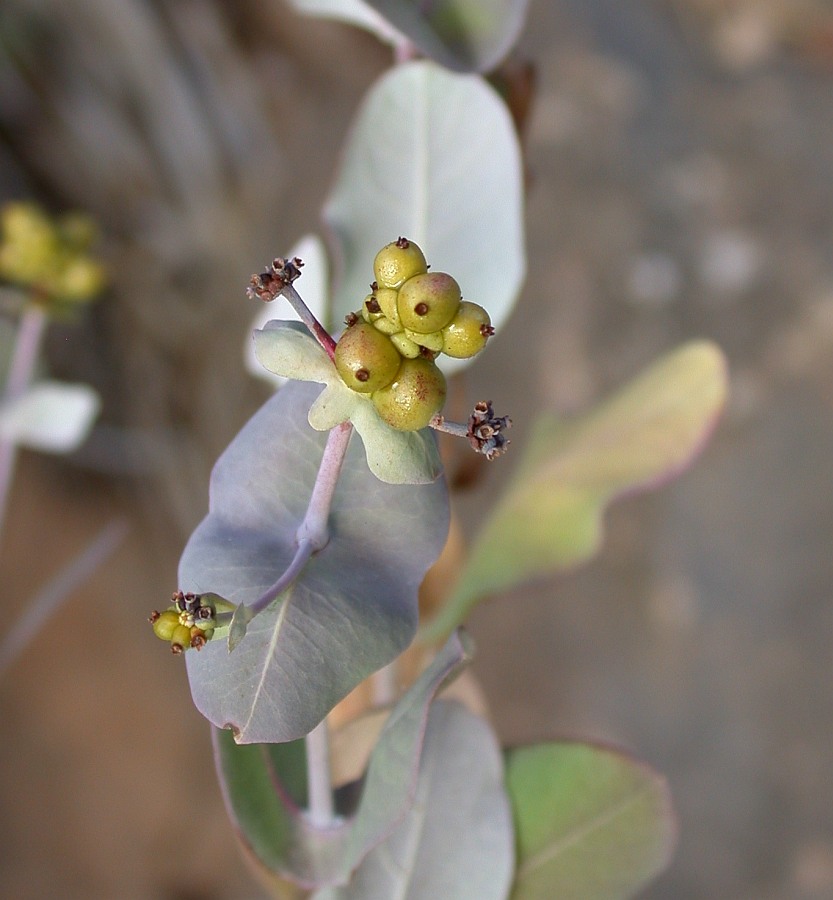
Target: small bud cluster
{"type": "Point", "coordinates": [50, 258]}
{"type": "Point", "coordinates": [267, 285]}
{"type": "Point", "coordinates": [189, 622]}
{"type": "Point", "coordinates": [485, 432]}
{"type": "Point", "coordinates": [409, 318]}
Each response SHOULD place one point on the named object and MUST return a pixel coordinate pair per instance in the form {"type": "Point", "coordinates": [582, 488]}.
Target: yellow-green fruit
{"type": "Point", "coordinates": [415, 396]}
{"type": "Point", "coordinates": [181, 637]}
{"type": "Point", "coordinates": [80, 279]}
{"type": "Point", "coordinates": [468, 331]}
{"type": "Point", "coordinates": [432, 341]}
{"type": "Point", "coordinates": [365, 358]}
{"type": "Point", "coordinates": [397, 262]}
{"type": "Point", "coordinates": [407, 347]}
{"type": "Point", "coordinates": [386, 298]}
{"type": "Point", "coordinates": [384, 324]}
{"type": "Point", "coordinates": [164, 625]}
{"type": "Point", "coordinates": [428, 302]}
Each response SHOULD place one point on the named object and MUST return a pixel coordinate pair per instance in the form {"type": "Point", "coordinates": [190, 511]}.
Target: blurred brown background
{"type": "Point", "coordinates": [681, 184]}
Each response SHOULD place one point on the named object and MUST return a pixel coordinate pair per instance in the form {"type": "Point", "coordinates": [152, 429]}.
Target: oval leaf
{"type": "Point", "coordinates": [434, 157]}
{"type": "Point", "coordinates": [551, 516]}
{"type": "Point", "coordinates": [264, 785]}
{"type": "Point", "coordinates": [466, 35]}
{"type": "Point", "coordinates": [590, 822]}
{"type": "Point", "coordinates": [353, 608]}
{"type": "Point", "coordinates": [50, 416]}
{"type": "Point", "coordinates": [457, 839]}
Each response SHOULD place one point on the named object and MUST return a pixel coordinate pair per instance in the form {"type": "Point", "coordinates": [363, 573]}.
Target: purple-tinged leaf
{"type": "Point", "coordinates": [263, 787]}
{"type": "Point", "coordinates": [551, 516]}
{"type": "Point", "coordinates": [457, 839]}
{"type": "Point", "coordinates": [352, 610]}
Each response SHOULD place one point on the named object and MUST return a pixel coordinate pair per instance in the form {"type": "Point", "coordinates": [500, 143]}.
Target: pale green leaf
{"type": "Point", "coordinates": [551, 515]}
{"type": "Point", "coordinates": [434, 157]}
{"type": "Point", "coordinates": [50, 416]}
{"type": "Point", "coordinates": [354, 12]}
{"type": "Point", "coordinates": [591, 823]}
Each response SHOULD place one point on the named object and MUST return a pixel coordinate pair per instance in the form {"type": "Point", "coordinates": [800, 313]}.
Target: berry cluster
{"type": "Point", "coordinates": [188, 622]}
{"type": "Point", "coordinates": [49, 257]}
{"type": "Point", "coordinates": [409, 318]}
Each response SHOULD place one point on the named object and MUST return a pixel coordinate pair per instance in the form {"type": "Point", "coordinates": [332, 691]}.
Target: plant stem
{"type": "Point", "coordinates": [24, 357]}
{"type": "Point", "coordinates": [319, 332]}
{"type": "Point", "coordinates": [313, 533]}
{"type": "Point", "coordinates": [314, 527]}
{"type": "Point", "coordinates": [320, 807]}
{"type": "Point", "coordinates": [384, 684]}
{"type": "Point", "coordinates": [50, 597]}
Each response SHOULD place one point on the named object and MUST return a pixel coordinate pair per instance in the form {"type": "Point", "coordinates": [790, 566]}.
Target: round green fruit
{"type": "Point", "coordinates": [365, 358]}
{"type": "Point", "coordinates": [397, 262]}
{"type": "Point", "coordinates": [428, 302]}
{"type": "Point", "coordinates": [165, 623]}
{"type": "Point", "coordinates": [386, 298]}
{"type": "Point", "coordinates": [466, 334]}
{"type": "Point", "coordinates": [181, 638]}
{"type": "Point", "coordinates": [415, 396]}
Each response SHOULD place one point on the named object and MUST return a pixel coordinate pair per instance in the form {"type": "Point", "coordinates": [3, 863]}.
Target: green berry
{"type": "Point", "coordinates": [387, 299]}
{"type": "Point", "coordinates": [397, 262]}
{"type": "Point", "coordinates": [415, 396]}
{"type": "Point", "coordinates": [365, 358]}
{"type": "Point", "coordinates": [181, 638]}
{"type": "Point", "coordinates": [428, 302]}
{"type": "Point", "coordinates": [468, 331]}
{"type": "Point", "coordinates": [432, 341]}
{"type": "Point", "coordinates": [384, 324]}
{"type": "Point", "coordinates": [164, 624]}
{"type": "Point", "coordinates": [407, 347]}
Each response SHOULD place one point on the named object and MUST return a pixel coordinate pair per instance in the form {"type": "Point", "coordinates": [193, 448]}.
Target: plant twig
{"type": "Point", "coordinates": [320, 806]}
{"type": "Point", "coordinates": [277, 282]}
{"type": "Point", "coordinates": [28, 341]}
{"type": "Point", "coordinates": [49, 598]}
{"type": "Point", "coordinates": [313, 532]}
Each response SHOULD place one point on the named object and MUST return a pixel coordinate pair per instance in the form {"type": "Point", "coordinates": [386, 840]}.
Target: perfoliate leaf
{"type": "Point", "coordinates": [50, 416]}
{"type": "Point", "coordinates": [396, 457]}
{"type": "Point", "coordinates": [457, 839]}
{"type": "Point", "coordinates": [466, 35]}
{"type": "Point", "coordinates": [551, 516]}
{"type": "Point", "coordinates": [591, 823]}
{"type": "Point", "coordinates": [264, 788]}
{"type": "Point", "coordinates": [433, 157]}
{"type": "Point", "coordinates": [314, 289]}
{"type": "Point", "coordinates": [352, 610]}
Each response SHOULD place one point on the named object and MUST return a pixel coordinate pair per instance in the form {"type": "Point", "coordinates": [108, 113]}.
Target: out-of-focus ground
{"type": "Point", "coordinates": [681, 185]}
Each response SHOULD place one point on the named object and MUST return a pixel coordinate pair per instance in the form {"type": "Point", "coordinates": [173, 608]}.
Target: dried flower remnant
{"type": "Point", "coordinates": [485, 431]}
